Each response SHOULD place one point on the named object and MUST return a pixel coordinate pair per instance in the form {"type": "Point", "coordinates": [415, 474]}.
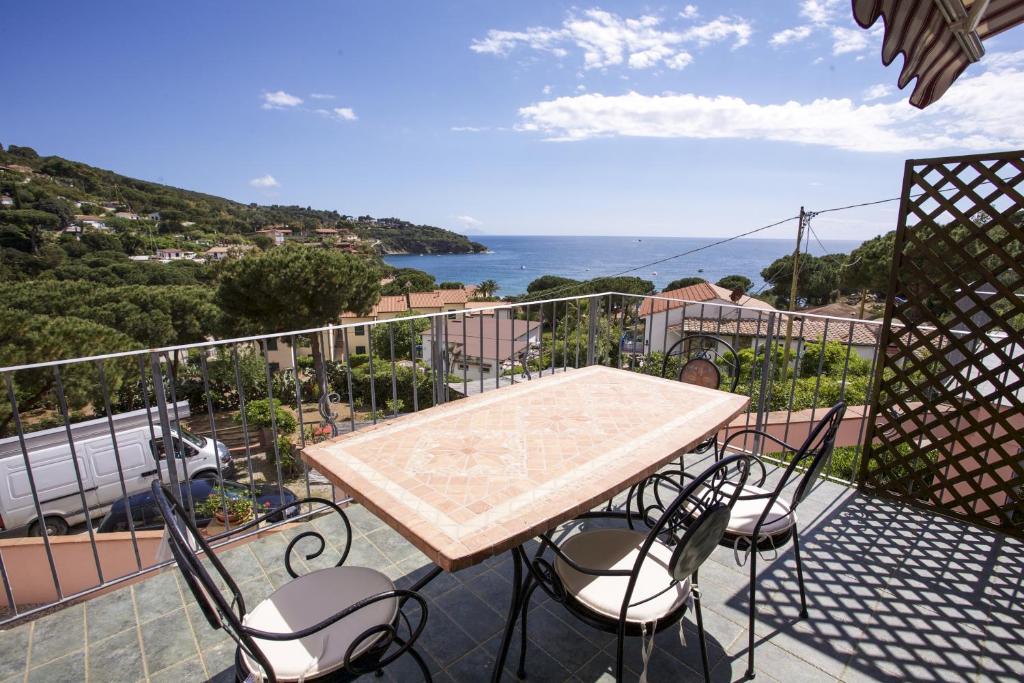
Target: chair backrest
{"type": "Point", "coordinates": [694, 519]}
{"type": "Point", "coordinates": [815, 452]}
{"type": "Point", "coordinates": [186, 542]}
{"type": "Point", "coordinates": [703, 357]}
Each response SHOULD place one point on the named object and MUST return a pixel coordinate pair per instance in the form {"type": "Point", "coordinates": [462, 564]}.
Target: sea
{"type": "Point", "coordinates": [513, 261]}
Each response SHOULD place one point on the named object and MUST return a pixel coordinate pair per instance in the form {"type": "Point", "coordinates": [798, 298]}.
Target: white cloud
{"type": "Point", "coordinates": [720, 29]}
{"type": "Point", "coordinates": [790, 35]}
{"type": "Point", "coordinates": [846, 40]}
{"type": "Point", "coordinates": [689, 12]}
{"type": "Point", "coordinates": [265, 182]}
{"type": "Point", "coordinates": [546, 90]}
{"type": "Point", "coordinates": [345, 113]}
{"type": "Point", "coordinates": [820, 11]}
{"type": "Point", "coordinates": [877, 92]}
{"type": "Point", "coordinates": [467, 129]}
{"type": "Point", "coordinates": [279, 99]}
{"type": "Point", "coordinates": [606, 39]}
{"type": "Point", "coordinates": [321, 96]}
{"type": "Point", "coordinates": [979, 112]}
{"type": "Point", "coordinates": [469, 221]}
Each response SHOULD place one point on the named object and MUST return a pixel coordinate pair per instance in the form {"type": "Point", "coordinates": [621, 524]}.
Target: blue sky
{"type": "Point", "coordinates": [516, 117]}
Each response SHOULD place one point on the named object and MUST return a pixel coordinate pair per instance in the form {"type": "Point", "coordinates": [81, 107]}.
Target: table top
{"type": "Point", "coordinates": [474, 477]}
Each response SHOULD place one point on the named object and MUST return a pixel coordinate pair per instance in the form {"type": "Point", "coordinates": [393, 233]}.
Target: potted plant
{"type": "Point", "coordinates": [258, 416]}
{"type": "Point", "coordinates": [239, 507]}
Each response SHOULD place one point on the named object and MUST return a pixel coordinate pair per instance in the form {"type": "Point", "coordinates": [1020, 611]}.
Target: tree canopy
{"type": "Point", "coordinates": [734, 282]}
{"type": "Point", "coordinates": [683, 282]}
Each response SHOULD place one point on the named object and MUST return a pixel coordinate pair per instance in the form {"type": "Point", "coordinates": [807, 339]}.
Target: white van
{"type": "Point", "coordinates": [141, 449]}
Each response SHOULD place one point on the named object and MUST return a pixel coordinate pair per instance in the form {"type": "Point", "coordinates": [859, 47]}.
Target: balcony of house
{"type": "Point", "coordinates": [909, 568]}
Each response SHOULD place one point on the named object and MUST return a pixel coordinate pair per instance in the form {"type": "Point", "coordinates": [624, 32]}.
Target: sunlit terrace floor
{"type": "Point", "coordinates": [895, 594]}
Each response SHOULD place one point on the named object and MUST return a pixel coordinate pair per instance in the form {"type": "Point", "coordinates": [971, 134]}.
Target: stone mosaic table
{"type": "Point", "coordinates": [476, 477]}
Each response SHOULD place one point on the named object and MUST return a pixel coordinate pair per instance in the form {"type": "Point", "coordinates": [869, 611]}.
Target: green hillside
{"type": "Point", "coordinates": [53, 185]}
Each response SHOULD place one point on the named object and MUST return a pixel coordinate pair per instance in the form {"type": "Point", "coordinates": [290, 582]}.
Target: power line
{"type": "Point", "coordinates": [555, 290]}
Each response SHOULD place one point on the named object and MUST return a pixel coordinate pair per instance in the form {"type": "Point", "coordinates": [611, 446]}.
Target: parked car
{"type": "Point", "coordinates": [145, 514]}
{"type": "Point", "coordinates": [67, 494]}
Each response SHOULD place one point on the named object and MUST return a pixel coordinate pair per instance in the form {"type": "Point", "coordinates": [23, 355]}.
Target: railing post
{"type": "Point", "coordinates": [593, 310]}
{"type": "Point", "coordinates": [437, 358]}
{"type": "Point", "coordinates": [170, 457]}
{"type": "Point", "coordinates": [762, 396]}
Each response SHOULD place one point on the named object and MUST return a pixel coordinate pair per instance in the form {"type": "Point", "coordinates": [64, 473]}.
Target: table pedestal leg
{"type": "Point", "coordinates": [519, 586]}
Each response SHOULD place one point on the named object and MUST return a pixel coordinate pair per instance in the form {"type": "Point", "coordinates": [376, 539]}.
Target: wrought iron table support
{"type": "Point", "coordinates": [520, 587]}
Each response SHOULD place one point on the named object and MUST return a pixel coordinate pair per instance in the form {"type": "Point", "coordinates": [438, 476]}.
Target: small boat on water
{"type": "Point", "coordinates": [522, 267]}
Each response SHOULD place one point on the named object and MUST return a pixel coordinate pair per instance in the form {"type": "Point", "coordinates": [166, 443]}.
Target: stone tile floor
{"type": "Point", "coordinates": [894, 594]}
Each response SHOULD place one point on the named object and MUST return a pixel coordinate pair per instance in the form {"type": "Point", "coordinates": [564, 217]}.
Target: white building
{"type": "Point", "coordinates": [482, 347]}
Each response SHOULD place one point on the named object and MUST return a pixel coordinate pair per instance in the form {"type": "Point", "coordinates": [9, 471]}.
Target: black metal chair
{"type": "Point", "coordinates": [703, 358]}
{"type": "Point", "coordinates": [630, 582]}
{"type": "Point", "coordinates": [331, 624]}
{"type": "Point", "coordinates": [763, 520]}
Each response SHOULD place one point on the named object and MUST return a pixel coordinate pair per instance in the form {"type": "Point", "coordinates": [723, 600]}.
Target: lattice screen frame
{"type": "Point", "coordinates": [946, 428]}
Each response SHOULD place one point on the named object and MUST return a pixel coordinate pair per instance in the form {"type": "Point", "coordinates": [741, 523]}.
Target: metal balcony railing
{"type": "Point", "coordinates": [81, 439]}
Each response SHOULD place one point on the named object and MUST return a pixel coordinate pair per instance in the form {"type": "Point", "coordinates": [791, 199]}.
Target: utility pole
{"type": "Point", "coordinates": [805, 217]}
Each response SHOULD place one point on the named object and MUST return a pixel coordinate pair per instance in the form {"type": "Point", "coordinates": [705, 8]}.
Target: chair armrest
{"type": "Point", "coordinates": [297, 505]}
{"type": "Point", "coordinates": [759, 432]}
{"type": "Point", "coordinates": [397, 593]}
{"type": "Point", "coordinates": [545, 541]}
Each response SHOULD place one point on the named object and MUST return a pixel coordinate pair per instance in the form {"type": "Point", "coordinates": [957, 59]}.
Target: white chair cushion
{"type": "Point", "coordinates": [746, 513]}
{"type": "Point", "coordinates": [308, 600]}
{"type": "Point", "coordinates": [653, 597]}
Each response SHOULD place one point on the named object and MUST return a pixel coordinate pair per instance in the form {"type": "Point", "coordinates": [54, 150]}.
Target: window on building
{"type": "Point", "coordinates": [272, 345]}
{"type": "Point", "coordinates": [360, 330]}
{"type": "Point", "coordinates": [360, 349]}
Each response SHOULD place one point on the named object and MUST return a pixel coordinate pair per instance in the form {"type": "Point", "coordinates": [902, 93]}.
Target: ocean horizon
{"type": "Point", "coordinates": [514, 261]}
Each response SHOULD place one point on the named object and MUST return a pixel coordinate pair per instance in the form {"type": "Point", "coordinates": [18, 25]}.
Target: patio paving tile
{"type": "Point", "coordinates": [70, 667]}
{"type": "Point", "coordinates": [117, 658]}
{"type": "Point", "coordinates": [14, 651]}
{"type": "Point", "coordinates": [57, 634]}
{"type": "Point", "coordinates": [167, 641]}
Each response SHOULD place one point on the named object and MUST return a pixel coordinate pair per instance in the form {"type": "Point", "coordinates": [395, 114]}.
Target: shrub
{"type": "Point", "coordinates": [257, 414]}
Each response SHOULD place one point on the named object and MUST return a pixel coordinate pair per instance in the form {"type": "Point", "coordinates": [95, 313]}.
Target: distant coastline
{"type": "Point", "coordinates": [516, 260]}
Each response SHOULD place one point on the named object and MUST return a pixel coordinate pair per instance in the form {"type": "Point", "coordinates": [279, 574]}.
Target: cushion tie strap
{"type": "Point", "coordinates": [751, 545]}
{"type": "Point", "coordinates": [646, 649]}
{"type": "Point", "coordinates": [314, 661]}
{"type": "Point", "coordinates": [694, 593]}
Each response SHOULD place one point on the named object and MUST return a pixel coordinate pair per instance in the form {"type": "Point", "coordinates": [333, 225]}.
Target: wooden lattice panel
{"type": "Point", "coordinates": [947, 427]}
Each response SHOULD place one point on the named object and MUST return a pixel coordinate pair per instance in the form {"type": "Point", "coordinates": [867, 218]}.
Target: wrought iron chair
{"type": "Point", "coordinates": [703, 357]}
{"type": "Point", "coordinates": [630, 582]}
{"type": "Point", "coordinates": [763, 520]}
{"type": "Point", "coordinates": [332, 624]}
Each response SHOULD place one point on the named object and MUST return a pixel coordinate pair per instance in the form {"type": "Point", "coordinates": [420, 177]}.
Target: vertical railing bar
{"type": "Point", "coordinates": [842, 383]}
{"type": "Point", "coordinates": [213, 425]}
{"type": "Point", "coordinates": [244, 418]}
{"type": "Point", "coordinates": [821, 365]}
{"type": "Point", "coordinates": [753, 364]}
{"type": "Point", "coordinates": [144, 391]}
{"type": "Point", "coordinates": [62, 403]}
{"type": "Point", "coordinates": [796, 376]}
{"type": "Point", "coordinates": [465, 360]}
{"type": "Point", "coordinates": [611, 329]}
{"type": "Point", "coordinates": [415, 367]}
{"type": "Point", "coordinates": [763, 396]}
{"type": "Point", "coordinates": [770, 368]}
{"type": "Point", "coordinates": [273, 419]}
{"type": "Point", "coordinates": [579, 321]}
{"type": "Point", "coordinates": [526, 353]}
{"type": "Point", "coordinates": [394, 370]}
{"type": "Point", "coordinates": [481, 358]}
{"type": "Point", "coordinates": [567, 325]}
{"type": "Point", "coordinates": [668, 321]}
{"type": "Point", "coordinates": [298, 405]}
{"type": "Point", "coordinates": [16, 416]}
{"type": "Point", "coordinates": [173, 375]}
{"type": "Point", "coordinates": [11, 605]}
{"type": "Point", "coordinates": [497, 351]}
{"type": "Point", "coordinates": [117, 460]}
{"type": "Point", "coordinates": [373, 375]}
{"type": "Point", "coordinates": [865, 409]}
{"type": "Point", "coordinates": [622, 325]}
{"type": "Point", "coordinates": [554, 334]}
{"type": "Point", "coordinates": [346, 351]}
